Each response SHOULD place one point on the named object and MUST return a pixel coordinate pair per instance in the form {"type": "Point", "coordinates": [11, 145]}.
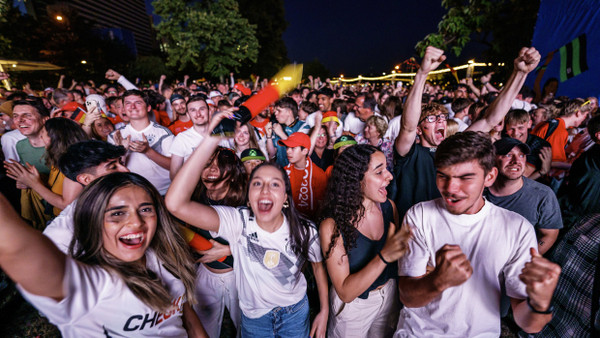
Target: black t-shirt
{"type": "Point", "coordinates": [414, 178]}
{"type": "Point", "coordinates": [325, 161]}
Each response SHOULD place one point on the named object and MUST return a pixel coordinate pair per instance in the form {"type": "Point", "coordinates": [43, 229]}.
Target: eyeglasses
{"type": "Point", "coordinates": [435, 118]}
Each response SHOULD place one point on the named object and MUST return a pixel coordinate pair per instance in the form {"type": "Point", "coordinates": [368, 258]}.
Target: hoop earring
{"type": "Point", "coordinates": [286, 204]}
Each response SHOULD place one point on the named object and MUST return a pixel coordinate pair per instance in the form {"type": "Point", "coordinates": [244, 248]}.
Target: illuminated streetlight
{"type": "Point", "coordinates": [393, 72]}
{"type": "Point", "coordinates": [83, 62]}
{"type": "Point", "coordinates": [397, 67]}
{"type": "Point", "coordinates": [341, 75]}
{"type": "Point", "coordinates": [59, 18]}
{"type": "Point", "coordinates": [383, 73]}
{"type": "Point", "coordinates": [471, 62]}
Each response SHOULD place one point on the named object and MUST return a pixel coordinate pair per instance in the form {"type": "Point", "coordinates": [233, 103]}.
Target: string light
{"type": "Point", "coordinates": [395, 75]}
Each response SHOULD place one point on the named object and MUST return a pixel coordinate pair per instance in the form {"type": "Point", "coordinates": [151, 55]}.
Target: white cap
{"type": "Point", "coordinates": [214, 93]}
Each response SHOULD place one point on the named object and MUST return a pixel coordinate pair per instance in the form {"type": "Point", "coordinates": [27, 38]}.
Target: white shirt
{"type": "Point", "coordinates": [61, 229]}
{"type": "Point", "coordinates": [496, 242]}
{"type": "Point", "coordinates": [160, 139]}
{"type": "Point", "coordinates": [462, 126]}
{"type": "Point", "coordinates": [188, 140]}
{"type": "Point", "coordinates": [353, 124]}
{"type": "Point", "coordinates": [265, 267]}
{"type": "Point", "coordinates": [99, 304]}
{"type": "Point", "coordinates": [9, 144]}
{"type": "Point", "coordinates": [185, 143]}
{"type": "Point", "coordinates": [393, 128]}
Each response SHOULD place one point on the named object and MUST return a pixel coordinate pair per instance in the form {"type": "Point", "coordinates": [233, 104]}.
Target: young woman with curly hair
{"type": "Point", "coordinates": [361, 239]}
{"type": "Point", "coordinates": [128, 272]}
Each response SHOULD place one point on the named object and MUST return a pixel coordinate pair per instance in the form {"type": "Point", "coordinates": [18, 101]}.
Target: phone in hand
{"type": "Point", "coordinates": [90, 105]}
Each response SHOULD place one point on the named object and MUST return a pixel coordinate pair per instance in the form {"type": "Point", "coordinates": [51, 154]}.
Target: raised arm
{"type": "Point", "coordinates": [122, 80]}
{"type": "Point", "coordinates": [28, 257]}
{"type": "Point", "coordinates": [412, 109]}
{"type": "Point", "coordinates": [179, 197]}
{"type": "Point", "coordinates": [526, 62]}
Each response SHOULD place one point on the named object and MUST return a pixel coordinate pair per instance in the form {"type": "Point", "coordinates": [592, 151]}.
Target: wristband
{"type": "Point", "coordinates": [383, 259]}
{"type": "Point", "coordinates": [547, 312]}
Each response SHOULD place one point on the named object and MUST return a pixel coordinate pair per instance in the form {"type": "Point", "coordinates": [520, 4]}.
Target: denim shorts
{"type": "Point", "coordinates": [290, 321]}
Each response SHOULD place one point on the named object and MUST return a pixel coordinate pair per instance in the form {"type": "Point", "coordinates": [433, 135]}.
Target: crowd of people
{"type": "Point", "coordinates": [423, 210]}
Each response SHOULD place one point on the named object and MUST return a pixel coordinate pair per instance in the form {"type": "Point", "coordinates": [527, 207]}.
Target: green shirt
{"type": "Point", "coordinates": [33, 156]}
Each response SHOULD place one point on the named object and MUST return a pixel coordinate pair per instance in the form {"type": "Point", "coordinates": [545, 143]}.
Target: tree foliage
{"type": "Point", "coordinates": [269, 18]}
{"type": "Point", "coordinates": [211, 36]}
{"type": "Point", "coordinates": [504, 26]}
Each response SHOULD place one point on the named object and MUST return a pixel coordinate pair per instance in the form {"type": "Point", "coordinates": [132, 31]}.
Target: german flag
{"type": "Point", "coordinates": [573, 58]}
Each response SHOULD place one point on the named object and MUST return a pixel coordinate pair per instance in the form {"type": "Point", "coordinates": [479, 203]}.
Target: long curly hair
{"type": "Point", "coordinates": [344, 197]}
{"type": "Point", "coordinates": [168, 243]}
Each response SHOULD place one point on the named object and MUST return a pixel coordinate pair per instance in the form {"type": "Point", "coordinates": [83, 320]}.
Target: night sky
{"type": "Point", "coordinates": [358, 37]}
{"type": "Point", "coordinates": [353, 37]}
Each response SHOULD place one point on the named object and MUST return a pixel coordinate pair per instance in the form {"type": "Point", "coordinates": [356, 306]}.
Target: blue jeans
{"type": "Point", "coordinates": [290, 321]}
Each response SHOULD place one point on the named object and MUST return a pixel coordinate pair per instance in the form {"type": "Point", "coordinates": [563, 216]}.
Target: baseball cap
{"type": "Point", "coordinates": [343, 141]}
{"type": "Point", "coordinates": [175, 97]}
{"type": "Point", "coordinates": [214, 93]}
{"type": "Point", "coordinates": [295, 140]}
{"type": "Point", "coordinates": [252, 154]}
{"type": "Point", "coordinates": [504, 146]}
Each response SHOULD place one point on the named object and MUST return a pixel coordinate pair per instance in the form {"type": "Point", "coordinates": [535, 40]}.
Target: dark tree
{"type": "Point", "coordinates": [269, 18]}
{"type": "Point", "coordinates": [504, 26]}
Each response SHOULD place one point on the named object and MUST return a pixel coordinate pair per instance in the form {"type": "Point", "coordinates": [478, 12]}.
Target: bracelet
{"type": "Point", "coordinates": [383, 259]}
{"type": "Point", "coordinates": [547, 312]}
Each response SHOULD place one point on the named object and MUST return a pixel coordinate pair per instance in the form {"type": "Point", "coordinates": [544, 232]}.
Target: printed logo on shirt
{"type": "Point", "coordinates": [271, 259]}
{"type": "Point", "coordinates": [253, 237]}
{"type": "Point", "coordinates": [140, 322]}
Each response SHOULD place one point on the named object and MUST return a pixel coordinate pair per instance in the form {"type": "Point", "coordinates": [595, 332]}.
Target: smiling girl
{"type": "Point", "coordinates": [361, 245]}
{"type": "Point", "coordinates": [131, 274]}
{"type": "Point", "coordinates": [270, 243]}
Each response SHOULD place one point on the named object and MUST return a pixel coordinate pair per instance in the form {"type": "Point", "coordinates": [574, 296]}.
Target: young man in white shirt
{"type": "Point", "coordinates": [186, 141]}
{"type": "Point", "coordinates": [147, 142]}
{"type": "Point", "coordinates": [465, 250]}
